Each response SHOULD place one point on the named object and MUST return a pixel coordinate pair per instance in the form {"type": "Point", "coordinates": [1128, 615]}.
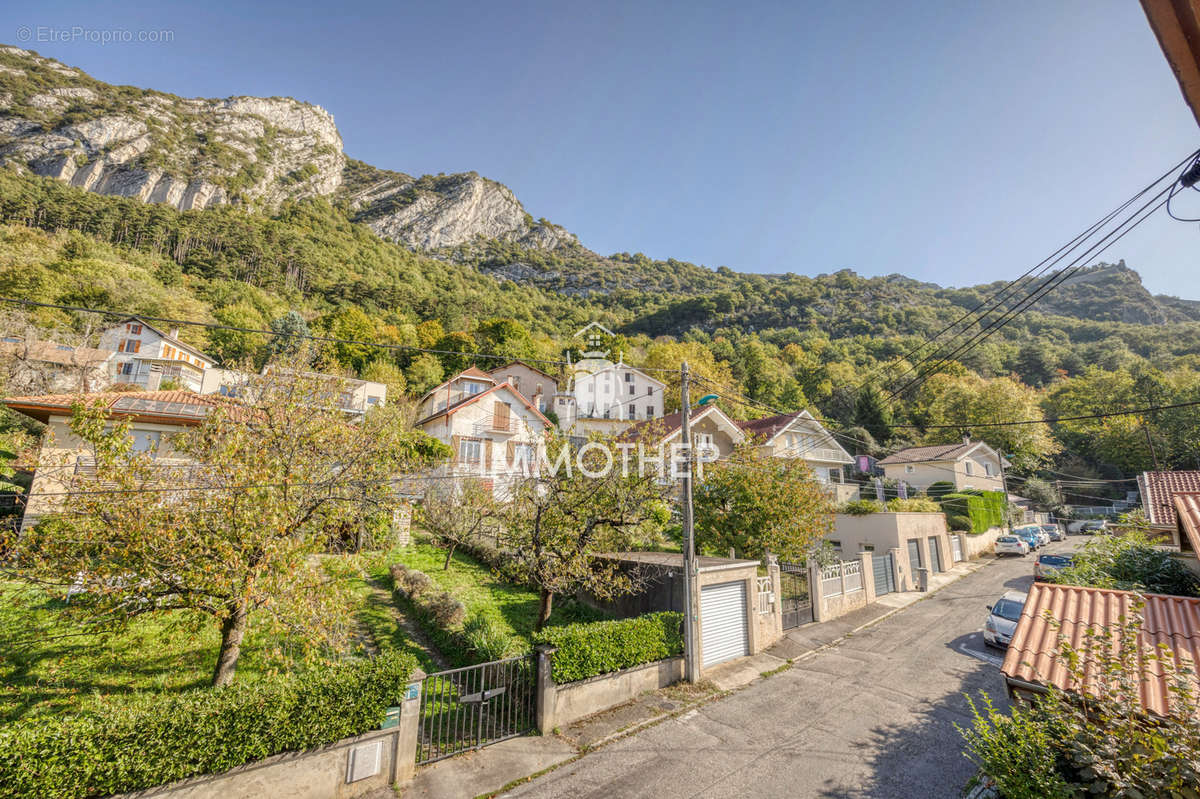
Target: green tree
{"type": "Point", "coordinates": [456, 352]}
{"type": "Point", "coordinates": [424, 373]}
{"type": "Point", "coordinates": [352, 325]}
{"type": "Point", "coordinates": [557, 521]}
{"type": "Point", "coordinates": [290, 335]}
{"type": "Point", "coordinates": [873, 411]}
{"type": "Point", "coordinates": [227, 527]}
{"type": "Point", "coordinates": [756, 503]}
{"type": "Point", "coordinates": [235, 346]}
{"type": "Point", "coordinates": [1129, 562]}
{"type": "Point", "coordinates": [506, 337]}
{"type": "Point", "coordinates": [456, 514]}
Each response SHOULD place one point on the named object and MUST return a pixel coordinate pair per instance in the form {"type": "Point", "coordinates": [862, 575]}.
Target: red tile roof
{"type": "Point", "coordinates": [665, 426]}
{"type": "Point", "coordinates": [140, 404]}
{"type": "Point", "coordinates": [1187, 509]}
{"type": "Point", "coordinates": [1033, 654]}
{"type": "Point", "coordinates": [1156, 489]}
{"type": "Point", "coordinates": [767, 426]}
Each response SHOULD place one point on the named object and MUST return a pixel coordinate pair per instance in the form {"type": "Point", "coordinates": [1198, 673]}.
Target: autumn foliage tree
{"type": "Point", "coordinates": [224, 519]}
{"type": "Point", "coordinates": [754, 503]}
{"type": "Point", "coordinates": [456, 514]}
{"type": "Point", "coordinates": [559, 519]}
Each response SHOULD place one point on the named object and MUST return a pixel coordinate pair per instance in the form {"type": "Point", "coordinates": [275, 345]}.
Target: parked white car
{"type": "Point", "coordinates": [1002, 619]}
{"type": "Point", "coordinates": [1011, 545]}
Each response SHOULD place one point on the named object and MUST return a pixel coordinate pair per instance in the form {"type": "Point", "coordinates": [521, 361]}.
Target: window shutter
{"type": "Point", "coordinates": [455, 444]}
{"type": "Point", "coordinates": [512, 452]}
{"type": "Point", "coordinates": [487, 454]}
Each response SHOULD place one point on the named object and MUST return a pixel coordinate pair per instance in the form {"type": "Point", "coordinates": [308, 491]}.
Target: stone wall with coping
{"type": "Point", "coordinates": [974, 546]}
{"type": "Point", "coordinates": [560, 705]}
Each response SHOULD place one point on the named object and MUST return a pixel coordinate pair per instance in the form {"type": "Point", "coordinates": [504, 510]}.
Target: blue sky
{"type": "Point", "coordinates": [951, 142]}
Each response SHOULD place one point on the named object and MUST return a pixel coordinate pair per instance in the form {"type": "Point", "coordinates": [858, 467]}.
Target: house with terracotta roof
{"type": "Point", "coordinates": [714, 435]}
{"type": "Point", "coordinates": [800, 435]}
{"type": "Point", "coordinates": [1158, 489]}
{"type": "Point", "coordinates": [494, 431]}
{"type": "Point", "coordinates": [38, 365]}
{"type": "Point", "coordinates": [1053, 613]}
{"type": "Point", "coordinates": [154, 416]}
{"type": "Point", "coordinates": [967, 464]}
{"type": "Point", "coordinates": [146, 356]}
{"type": "Point", "coordinates": [535, 385]}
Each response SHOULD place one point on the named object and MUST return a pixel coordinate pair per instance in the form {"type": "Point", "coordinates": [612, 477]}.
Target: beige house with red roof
{"type": "Point", "coordinates": [968, 464]}
{"type": "Point", "coordinates": [535, 385]}
{"type": "Point", "coordinates": [800, 435]}
{"type": "Point", "coordinates": [154, 416]}
{"type": "Point", "coordinates": [495, 432]}
{"type": "Point", "coordinates": [146, 356]}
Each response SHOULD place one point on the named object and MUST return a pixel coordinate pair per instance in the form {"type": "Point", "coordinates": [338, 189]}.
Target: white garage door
{"type": "Point", "coordinates": [723, 622]}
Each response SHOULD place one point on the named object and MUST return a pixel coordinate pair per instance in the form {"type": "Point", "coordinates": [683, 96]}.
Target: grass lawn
{"type": "Point", "coordinates": [480, 590]}
{"type": "Point", "coordinates": [49, 664]}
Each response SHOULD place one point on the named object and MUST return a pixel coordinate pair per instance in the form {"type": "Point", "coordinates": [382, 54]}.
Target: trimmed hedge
{"type": "Point", "coordinates": [585, 650]}
{"type": "Point", "coordinates": [129, 743]}
{"type": "Point", "coordinates": [984, 509]}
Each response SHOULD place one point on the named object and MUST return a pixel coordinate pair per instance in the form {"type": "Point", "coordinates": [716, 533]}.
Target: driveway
{"type": "Point", "coordinates": [873, 717]}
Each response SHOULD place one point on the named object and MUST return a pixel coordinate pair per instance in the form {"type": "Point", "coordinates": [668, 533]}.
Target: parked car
{"type": "Point", "coordinates": [1094, 528]}
{"type": "Point", "coordinates": [1011, 545]}
{"type": "Point", "coordinates": [1055, 532]}
{"type": "Point", "coordinates": [1002, 619]}
{"type": "Point", "coordinates": [1031, 536]}
{"type": "Point", "coordinates": [1046, 564]}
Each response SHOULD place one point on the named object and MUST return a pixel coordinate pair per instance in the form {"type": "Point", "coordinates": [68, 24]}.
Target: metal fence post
{"type": "Point", "coordinates": [546, 688]}
{"type": "Point", "coordinates": [405, 764]}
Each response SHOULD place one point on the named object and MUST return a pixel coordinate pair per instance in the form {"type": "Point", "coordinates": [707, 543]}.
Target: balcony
{"type": "Point", "coordinates": [824, 455]}
{"type": "Point", "coordinates": [503, 427]}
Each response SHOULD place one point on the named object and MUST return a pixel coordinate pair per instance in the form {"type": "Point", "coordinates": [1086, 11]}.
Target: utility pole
{"type": "Point", "coordinates": [690, 574]}
{"type": "Point", "coordinates": [1004, 488]}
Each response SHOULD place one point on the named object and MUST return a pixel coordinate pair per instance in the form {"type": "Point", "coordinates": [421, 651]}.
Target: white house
{"type": "Point", "coordinates": [496, 434]}
{"type": "Point", "coordinates": [800, 435]}
{"type": "Point", "coordinates": [968, 464]}
{"type": "Point", "coordinates": [146, 356]}
{"type": "Point", "coordinates": [356, 396]}
{"type": "Point", "coordinates": [606, 396]}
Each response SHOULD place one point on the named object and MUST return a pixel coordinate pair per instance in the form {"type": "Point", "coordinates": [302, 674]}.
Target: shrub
{"type": "Point", "coordinates": [130, 743]}
{"type": "Point", "coordinates": [486, 640]}
{"type": "Point", "coordinates": [444, 609]}
{"type": "Point", "coordinates": [409, 582]}
{"type": "Point", "coordinates": [957, 523]}
{"type": "Point", "coordinates": [1129, 562]}
{"type": "Point", "coordinates": [985, 509]}
{"type": "Point", "coordinates": [585, 650]}
{"type": "Point", "coordinates": [861, 507]}
{"type": "Point", "coordinates": [940, 489]}
{"type": "Point", "coordinates": [913, 505]}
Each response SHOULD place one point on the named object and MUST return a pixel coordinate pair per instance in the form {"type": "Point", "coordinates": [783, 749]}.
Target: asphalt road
{"type": "Point", "coordinates": [872, 717]}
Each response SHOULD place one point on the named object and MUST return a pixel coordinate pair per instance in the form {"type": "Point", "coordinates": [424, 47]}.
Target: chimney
{"type": "Point", "coordinates": [173, 332]}
{"type": "Point", "coordinates": [154, 377]}
{"type": "Point", "coordinates": [966, 438]}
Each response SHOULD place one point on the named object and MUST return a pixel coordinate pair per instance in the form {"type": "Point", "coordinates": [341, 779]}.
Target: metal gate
{"type": "Point", "coordinates": [795, 600]}
{"type": "Point", "coordinates": [472, 707]}
{"type": "Point", "coordinates": [884, 570]}
{"type": "Point", "coordinates": [956, 548]}
{"type": "Point", "coordinates": [723, 625]}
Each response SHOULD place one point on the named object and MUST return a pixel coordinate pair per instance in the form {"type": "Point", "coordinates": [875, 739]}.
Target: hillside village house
{"type": "Point", "coordinates": [146, 356]}
{"type": "Point", "coordinates": [49, 366]}
{"type": "Point", "coordinates": [535, 385]}
{"type": "Point", "coordinates": [154, 415]}
{"type": "Point", "coordinates": [606, 396]}
{"type": "Point", "coordinates": [496, 434]}
{"type": "Point", "coordinates": [969, 464]}
{"type": "Point", "coordinates": [714, 435]}
{"type": "Point", "coordinates": [355, 398]}
{"type": "Point", "coordinates": [800, 435]}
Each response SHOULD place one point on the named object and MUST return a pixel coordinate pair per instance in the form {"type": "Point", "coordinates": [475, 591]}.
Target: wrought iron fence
{"type": "Point", "coordinates": [472, 707]}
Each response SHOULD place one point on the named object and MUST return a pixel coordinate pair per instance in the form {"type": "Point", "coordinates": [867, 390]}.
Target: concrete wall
{"type": "Point", "coordinates": [827, 608]}
{"type": "Point", "coordinates": [985, 543]}
{"type": "Point", "coordinates": [573, 701]}
{"type": "Point", "coordinates": [884, 532]}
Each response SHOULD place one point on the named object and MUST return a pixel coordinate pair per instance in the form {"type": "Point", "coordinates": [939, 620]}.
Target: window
{"type": "Point", "coordinates": [470, 451]}
{"type": "Point", "coordinates": [837, 545]}
{"type": "Point", "coordinates": [968, 467]}
{"type": "Point", "coordinates": [632, 390]}
{"type": "Point", "coordinates": [539, 389]}
{"type": "Point", "coordinates": [133, 328]}
{"type": "Point", "coordinates": [125, 368]}
{"type": "Point", "coordinates": [472, 388]}
{"type": "Point", "coordinates": [629, 377]}
{"type": "Point", "coordinates": [988, 469]}
{"type": "Point", "coordinates": [649, 390]}
{"type": "Point", "coordinates": [632, 412]}
{"type": "Point", "coordinates": [649, 411]}
{"type": "Point", "coordinates": [168, 351]}
{"type": "Point", "coordinates": [516, 381]}
{"type": "Point", "coordinates": [144, 440]}
{"type": "Point", "coordinates": [130, 345]}
{"type": "Point", "coordinates": [372, 400]}
{"type": "Point", "coordinates": [65, 348]}
{"type": "Point", "coordinates": [591, 388]}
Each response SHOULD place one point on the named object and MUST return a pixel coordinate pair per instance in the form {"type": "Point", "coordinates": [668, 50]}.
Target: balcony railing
{"type": "Point", "coordinates": [508, 425]}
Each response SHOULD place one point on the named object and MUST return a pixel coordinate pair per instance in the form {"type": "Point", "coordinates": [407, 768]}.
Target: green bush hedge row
{"type": "Point", "coordinates": [985, 509]}
{"type": "Point", "coordinates": [585, 650]}
{"type": "Point", "coordinates": [133, 742]}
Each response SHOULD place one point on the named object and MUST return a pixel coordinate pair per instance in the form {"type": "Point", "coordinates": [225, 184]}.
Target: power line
{"type": "Point", "coordinates": [1051, 419]}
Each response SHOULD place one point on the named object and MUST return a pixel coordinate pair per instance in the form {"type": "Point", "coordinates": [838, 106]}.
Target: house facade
{"type": "Point", "coordinates": [355, 398]}
{"type": "Point", "coordinates": [535, 385]}
{"type": "Point", "coordinates": [46, 366]}
{"type": "Point", "coordinates": [495, 433]}
{"type": "Point", "coordinates": [146, 356]}
{"type": "Point", "coordinates": [714, 436]}
{"type": "Point", "coordinates": [800, 435]}
{"type": "Point", "coordinates": [154, 417]}
{"type": "Point", "coordinates": [969, 464]}
{"type": "Point", "coordinates": [604, 395]}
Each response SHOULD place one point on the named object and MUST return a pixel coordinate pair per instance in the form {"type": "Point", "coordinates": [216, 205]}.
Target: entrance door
{"type": "Point", "coordinates": [935, 555]}
{"type": "Point", "coordinates": [914, 556]}
{"type": "Point", "coordinates": [883, 567]}
{"type": "Point", "coordinates": [956, 548]}
{"type": "Point", "coordinates": [723, 633]}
